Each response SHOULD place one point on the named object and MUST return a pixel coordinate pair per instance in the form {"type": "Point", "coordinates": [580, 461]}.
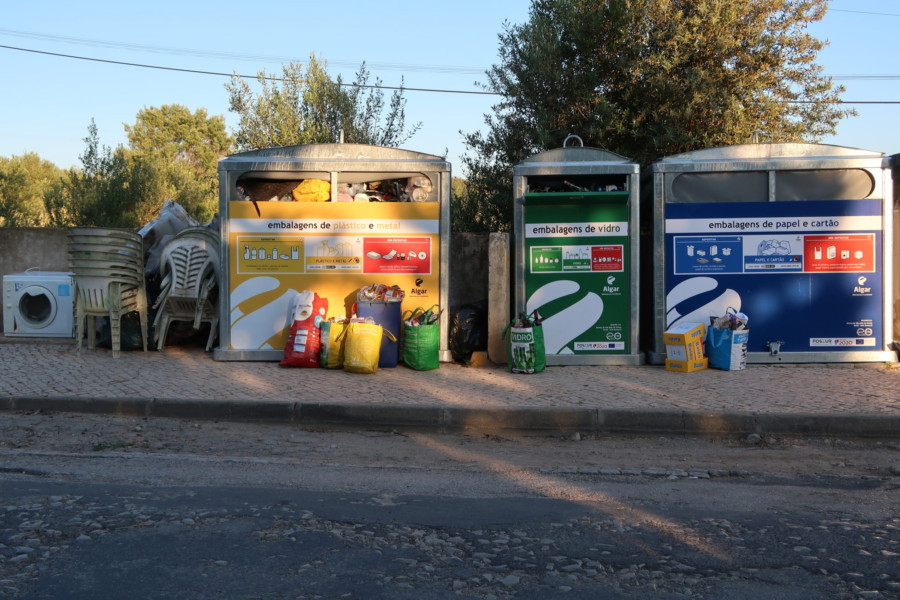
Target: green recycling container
{"type": "Point", "coordinates": [576, 248]}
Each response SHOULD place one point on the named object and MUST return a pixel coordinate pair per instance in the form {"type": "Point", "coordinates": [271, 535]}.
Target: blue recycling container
{"type": "Point", "coordinates": [388, 315]}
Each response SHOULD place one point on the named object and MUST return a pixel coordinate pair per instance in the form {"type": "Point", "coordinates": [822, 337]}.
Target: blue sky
{"type": "Point", "coordinates": [48, 101]}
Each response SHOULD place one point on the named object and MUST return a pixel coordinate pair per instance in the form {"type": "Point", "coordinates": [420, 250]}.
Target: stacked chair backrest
{"type": "Point", "coordinates": [108, 266]}
{"type": "Point", "coordinates": [189, 271]}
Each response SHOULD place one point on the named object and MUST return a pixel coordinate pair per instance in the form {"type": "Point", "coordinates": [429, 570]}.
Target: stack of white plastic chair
{"type": "Point", "coordinates": [189, 268]}
{"type": "Point", "coordinates": [109, 281]}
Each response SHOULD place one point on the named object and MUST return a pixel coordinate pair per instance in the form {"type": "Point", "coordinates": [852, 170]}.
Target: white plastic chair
{"type": "Point", "coordinates": [109, 281]}
{"type": "Point", "coordinates": [189, 267]}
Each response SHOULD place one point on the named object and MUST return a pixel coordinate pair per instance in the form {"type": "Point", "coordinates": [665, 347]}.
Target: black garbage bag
{"type": "Point", "coordinates": [129, 332]}
{"type": "Point", "coordinates": [468, 330]}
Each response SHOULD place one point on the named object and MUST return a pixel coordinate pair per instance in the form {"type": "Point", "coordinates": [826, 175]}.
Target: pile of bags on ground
{"type": "Point", "coordinates": [376, 335]}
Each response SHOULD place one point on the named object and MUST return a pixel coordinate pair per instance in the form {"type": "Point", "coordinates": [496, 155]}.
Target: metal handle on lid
{"type": "Point", "coordinates": [571, 136]}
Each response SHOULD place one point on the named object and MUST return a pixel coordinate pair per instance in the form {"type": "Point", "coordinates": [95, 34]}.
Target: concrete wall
{"type": "Point", "coordinates": [479, 270]}
{"type": "Point", "coordinates": [23, 248]}
{"type": "Point", "coordinates": [468, 262]}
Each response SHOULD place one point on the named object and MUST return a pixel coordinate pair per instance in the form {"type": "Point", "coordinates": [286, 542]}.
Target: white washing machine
{"type": "Point", "coordinates": [39, 304]}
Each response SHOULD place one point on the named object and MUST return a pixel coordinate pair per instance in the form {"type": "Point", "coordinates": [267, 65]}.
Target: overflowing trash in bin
{"type": "Point", "coordinates": [333, 219]}
{"type": "Point", "coordinates": [407, 189]}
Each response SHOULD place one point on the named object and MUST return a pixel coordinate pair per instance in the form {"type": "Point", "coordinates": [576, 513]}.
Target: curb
{"type": "Point", "coordinates": [473, 420]}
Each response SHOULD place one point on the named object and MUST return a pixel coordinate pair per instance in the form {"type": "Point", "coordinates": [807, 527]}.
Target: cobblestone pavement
{"type": "Point", "coordinates": [56, 370]}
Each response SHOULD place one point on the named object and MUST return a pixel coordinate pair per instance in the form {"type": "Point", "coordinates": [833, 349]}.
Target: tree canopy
{"type": "Point", "coordinates": [308, 107]}
{"type": "Point", "coordinates": [647, 79]}
{"type": "Point", "coordinates": [25, 182]}
{"type": "Point", "coordinates": [185, 148]}
{"type": "Point", "coordinates": [175, 133]}
{"type": "Point", "coordinates": [172, 155]}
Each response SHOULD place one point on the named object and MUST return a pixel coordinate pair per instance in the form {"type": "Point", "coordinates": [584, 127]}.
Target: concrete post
{"type": "Point", "coordinates": [498, 295]}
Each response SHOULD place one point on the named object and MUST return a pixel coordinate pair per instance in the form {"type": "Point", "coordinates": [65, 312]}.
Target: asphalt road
{"type": "Point", "coordinates": [112, 507]}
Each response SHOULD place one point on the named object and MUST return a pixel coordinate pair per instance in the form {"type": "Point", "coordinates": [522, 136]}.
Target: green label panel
{"type": "Point", "coordinates": [578, 277]}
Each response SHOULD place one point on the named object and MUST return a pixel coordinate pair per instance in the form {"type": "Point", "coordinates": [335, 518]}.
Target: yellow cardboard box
{"type": "Point", "coordinates": [687, 366]}
{"type": "Point", "coordinates": [684, 342]}
{"type": "Point", "coordinates": [684, 333]}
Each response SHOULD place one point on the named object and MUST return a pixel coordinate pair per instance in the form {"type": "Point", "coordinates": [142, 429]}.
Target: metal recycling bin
{"type": "Point", "coordinates": [576, 253]}
{"type": "Point", "coordinates": [796, 236]}
{"type": "Point", "coordinates": [895, 172]}
{"type": "Point", "coordinates": [383, 220]}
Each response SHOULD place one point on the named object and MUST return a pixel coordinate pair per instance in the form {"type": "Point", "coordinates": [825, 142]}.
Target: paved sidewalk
{"type": "Point", "coordinates": [185, 382]}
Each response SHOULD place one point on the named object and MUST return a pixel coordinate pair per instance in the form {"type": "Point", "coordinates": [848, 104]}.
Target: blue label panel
{"type": "Point", "coordinates": [808, 274]}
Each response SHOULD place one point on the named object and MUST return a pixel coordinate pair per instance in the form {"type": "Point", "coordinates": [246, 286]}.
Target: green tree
{"type": "Point", "coordinates": [647, 79]}
{"type": "Point", "coordinates": [310, 107]}
{"type": "Point", "coordinates": [172, 155]}
{"type": "Point", "coordinates": [183, 149]}
{"type": "Point", "coordinates": [24, 183]}
{"type": "Point", "coordinates": [112, 189]}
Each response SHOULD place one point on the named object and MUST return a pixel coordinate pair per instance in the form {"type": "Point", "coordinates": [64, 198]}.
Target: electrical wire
{"type": "Point", "coordinates": [219, 74]}
{"type": "Point", "coordinates": [863, 12]}
{"type": "Point", "coordinates": [386, 87]}
{"type": "Point", "coordinates": [257, 58]}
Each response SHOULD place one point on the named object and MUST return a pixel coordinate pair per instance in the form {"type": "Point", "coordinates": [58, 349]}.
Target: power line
{"type": "Point", "coordinates": [365, 86]}
{"type": "Point", "coordinates": [233, 55]}
{"type": "Point", "coordinates": [880, 77]}
{"type": "Point", "coordinates": [863, 12]}
{"type": "Point", "coordinates": [219, 74]}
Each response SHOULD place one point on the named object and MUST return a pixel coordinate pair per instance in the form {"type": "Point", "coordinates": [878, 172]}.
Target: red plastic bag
{"type": "Point", "coordinates": [304, 340]}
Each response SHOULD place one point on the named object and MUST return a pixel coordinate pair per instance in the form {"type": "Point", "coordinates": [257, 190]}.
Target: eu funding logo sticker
{"type": "Point", "coordinates": [587, 346]}
{"type": "Point", "coordinates": [841, 342]}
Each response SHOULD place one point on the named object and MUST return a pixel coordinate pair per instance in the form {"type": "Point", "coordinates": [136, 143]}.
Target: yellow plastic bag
{"type": "Point", "coordinates": [312, 190]}
{"type": "Point", "coordinates": [362, 347]}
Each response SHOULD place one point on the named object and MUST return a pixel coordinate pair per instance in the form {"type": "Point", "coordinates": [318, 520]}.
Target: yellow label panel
{"type": "Point", "coordinates": [333, 249]}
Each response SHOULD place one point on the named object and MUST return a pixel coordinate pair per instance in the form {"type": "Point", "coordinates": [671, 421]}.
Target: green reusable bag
{"type": "Point", "coordinates": [421, 345]}
{"type": "Point", "coordinates": [331, 355]}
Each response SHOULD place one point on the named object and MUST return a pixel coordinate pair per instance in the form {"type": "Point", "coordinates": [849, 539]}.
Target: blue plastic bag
{"type": "Point", "coordinates": [727, 348]}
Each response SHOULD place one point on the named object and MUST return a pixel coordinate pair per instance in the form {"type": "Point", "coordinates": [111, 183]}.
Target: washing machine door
{"type": "Point", "coordinates": [37, 306]}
